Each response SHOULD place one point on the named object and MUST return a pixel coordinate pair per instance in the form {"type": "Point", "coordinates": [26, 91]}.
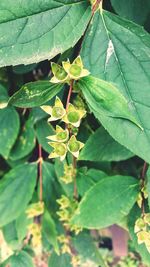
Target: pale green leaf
{"type": "Point", "coordinates": [21, 259]}
{"type": "Point", "coordinates": [9, 128]}
{"type": "Point", "coordinates": [107, 202]}
{"type": "Point", "coordinates": [44, 129]}
{"type": "Point", "coordinates": [62, 260]}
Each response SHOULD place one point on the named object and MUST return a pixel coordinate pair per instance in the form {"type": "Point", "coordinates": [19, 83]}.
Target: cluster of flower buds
{"type": "Point", "coordinates": [61, 142]}
{"type": "Point", "coordinates": [68, 71]}
{"type": "Point", "coordinates": [35, 231]}
{"type": "Point", "coordinates": [65, 248]}
{"type": "Point", "coordinates": [69, 174]}
{"type": "Point", "coordinates": [141, 195]}
{"type": "Point", "coordinates": [142, 230]}
{"type": "Point", "coordinates": [35, 210]}
{"type": "Point", "coordinates": [67, 209]}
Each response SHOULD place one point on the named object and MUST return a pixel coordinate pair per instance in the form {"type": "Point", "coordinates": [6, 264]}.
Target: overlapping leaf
{"type": "Point", "coordinates": [119, 51]}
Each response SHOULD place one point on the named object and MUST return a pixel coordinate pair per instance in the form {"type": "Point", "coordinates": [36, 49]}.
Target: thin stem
{"type": "Point", "coordinates": [75, 192]}
{"type": "Point", "coordinates": [95, 6]}
{"type": "Point", "coordinates": [40, 160]}
{"type": "Point", "coordinates": [143, 173]}
{"type": "Point", "coordinates": [69, 94]}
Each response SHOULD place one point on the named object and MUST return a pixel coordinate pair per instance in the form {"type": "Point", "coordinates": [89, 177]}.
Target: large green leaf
{"type": "Point", "coordinates": [21, 259]}
{"type": "Point", "coordinates": [134, 10]}
{"type": "Point", "coordinates": [16, 190]}
{"type": "Point", "coordinates": [102, 147]}
{"type": "Point", "coordinates": [104, 98]}
{"type": "Point", "coordinates": [25, 142]}
{"type": "Point", "coordinates": [119, 51]}
{"type": "Point", "coordinates": [107, 202]}
{"type": "Point", "coordinates": [9, 128]}
{"type": "Point", "coordinates": [31, 32]}
{"type": "Point", "coordinates": [34, 94]}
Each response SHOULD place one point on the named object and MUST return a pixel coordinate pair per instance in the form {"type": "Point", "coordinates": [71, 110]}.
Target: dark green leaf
{"type": "Point", "coordinates": [135, 10]}
{"type": "Point", "coordinates": [107, 202]}
{"type": "Point", "coordinates": [9, 128]}
{"type": "Point", "coordinates": [102, 147]}
{"type": "Point", "coordinates": [25, 142]}
{"type": "Point", "coordinates": [40, 31]}
{"type": "Point", "coordinates": [44, 129]}
{"type": "Point", "coordinates": [34, 94]}
{"type": "Point", "coordinates": [119, 51]}
{"type": "Point", "coordinates": [16, 190]}
{"type": "Point", "coordinates": [49, 230]}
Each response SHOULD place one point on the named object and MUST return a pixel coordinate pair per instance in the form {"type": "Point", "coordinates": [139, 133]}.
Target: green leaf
{"type": "Point", "coordinates": [16, 190]}
{"type": "Point", "coordinates": [10, 235]}
{"type": "Point", "coordinates": [25, 142]}
{"type": "Point", "coordinates": [118, 51]}
{"type": "Point", "coordinates": [148, 185]}
{"type": "Point", "coordinates": [49, 230]}
{"type": "Point", "coordinates": [62, 260]}
{"type": "Point", "coordinates": [133, 216]}
{"type": "Point", "coordinates": [34, 94]}
{"type": "Point", "coordinates": [134, 10]}
{"type": "Point", "coordinates": [22, 223]}
{"type": "Point", "coordinates": [102, 147]}
{"type": "Point", "coordinates": [56, 26]}
{"type": "Point", "coordinates": [89, 254]}
{"type": "Point", "coordinates": [3, 96]}
{"type": "Point", "coordinates": [86, 178]}
{"type": "Point", "coordinates": [104, 98]}
{"type": "Point", "coordinates": [9, 128]}
{"type": "Point", "coordinates": [44, 129]}
{"type": "Point", "coordinates": [107, 202]}
{"type": "Point", "coordinates": [22, 259]}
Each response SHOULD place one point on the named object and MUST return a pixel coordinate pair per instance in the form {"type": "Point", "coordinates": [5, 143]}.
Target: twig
{"type": "Point", "coordinates": [69, 93]}
{"type": "Point", "coordinates": [40, 160]}
{"type": "Point", "coordinates": [143, 173]}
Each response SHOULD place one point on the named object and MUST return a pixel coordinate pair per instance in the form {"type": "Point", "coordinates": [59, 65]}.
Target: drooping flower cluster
{"type": "Point", "coordinates": [68, 71]}
{"type": "Point", "coordinates": [142, 230]}
{"type": "Point", "coordinates": [67, 209]}
{"type": "Point", "coordinates": [61, 142]}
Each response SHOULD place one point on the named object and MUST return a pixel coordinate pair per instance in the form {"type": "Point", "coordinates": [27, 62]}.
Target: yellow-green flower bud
{"type": "Point", "coordinates": [64, 202]}
{"type": "Point", "coordinates": [60, 150]}
{"type": "Point", "coordinates": [74, 146]}
{"type": "Point", "coordinates": [35, 210]}
{"type": "Point", "coordinates": [61, 135]}
{"type": "Point", "coordinates": [75, 70]}
{"type": "Point", "coordinates": [139, 225]}
{"type": "Point", "coordinates": [73, 116]}
{"type": "Point", "coordinates": [57, 111]}
{"type": "Point", "coordinates": [60, 75]}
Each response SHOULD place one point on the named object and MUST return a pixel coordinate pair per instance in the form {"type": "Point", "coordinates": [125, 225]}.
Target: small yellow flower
{"type": "Point", "coordinates": [139, 200]}
{"type": "Point", "coordinates": [64, 202]}
{"type": "Point", "coordinates": [74, 146]}
{"type": "Point", "coordinates": [60, 75]}
{"type": "Point", "coordinates": [74, 116]}
{"type": "Point", "coordinates": [35, 209]}
{"type": "Point", "coordinates": [63, 239]}
{"type": "Point", "coordinates": [65, 249]}
{"type": "Point", "coordinates": [60, 136]}
{"type": "Point", "coordinates": [56, 112]}
{"type": "Point", "coordinates": [76, 229]}
{"type": "Point", "coordinates": [147, 218]}
{"type": "Point", "coordinates": [139, 225]}
{"type": "Point", "coordinates": [75, 70]}
{"type": "Point", "coordinates": [69, 174]}
{"type": "Point", "coordinates": [60, 150]}
{"type": "Point", "coordinates": [143, 237]}
{"type": "Point", "coordinates": [63, 215]}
